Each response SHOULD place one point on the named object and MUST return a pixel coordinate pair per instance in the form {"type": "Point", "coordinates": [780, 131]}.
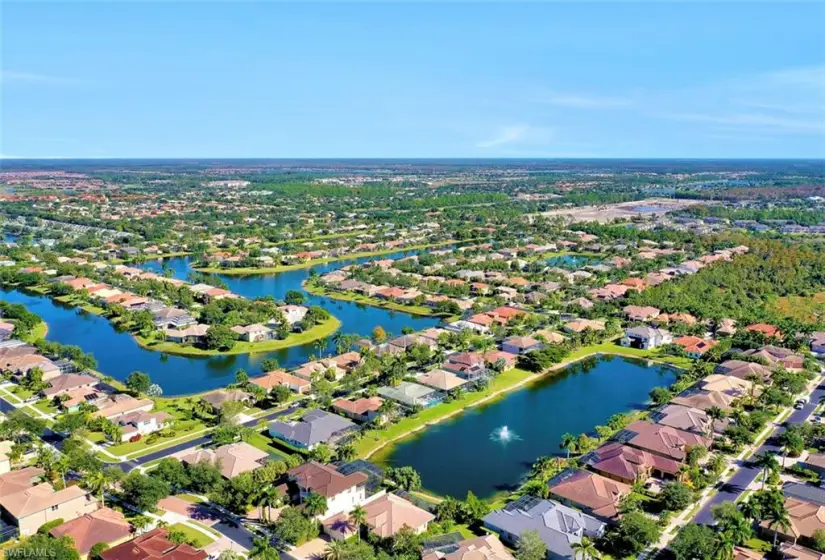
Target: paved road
{"type": "Point", "coordinates": [747, 472]}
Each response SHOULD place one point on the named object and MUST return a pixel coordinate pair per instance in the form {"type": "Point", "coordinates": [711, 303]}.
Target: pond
{"type": "Point", "coordinates": [469, 452]}
{"type": "Point", "coordinates": [572, 262]}
{"type": "Point", "coordinates": [118, 353]}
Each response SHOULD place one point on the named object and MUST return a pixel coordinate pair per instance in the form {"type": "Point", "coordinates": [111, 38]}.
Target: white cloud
{"type": "Point", "coordinates": [580, 101]}
{"type": "Point", "coordinates": [506, 135]}
{"type": "Point", "coordinates": [29, 78]}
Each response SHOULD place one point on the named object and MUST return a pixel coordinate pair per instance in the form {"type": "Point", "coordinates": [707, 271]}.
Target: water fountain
{"type": "Point", "coordinates": [504, 435]}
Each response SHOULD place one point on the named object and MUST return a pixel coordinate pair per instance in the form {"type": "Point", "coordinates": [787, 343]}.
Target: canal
{"type": "Point", "coordinates": [118, 354]}
{"type": "Point", "coordinates": [468, 452]}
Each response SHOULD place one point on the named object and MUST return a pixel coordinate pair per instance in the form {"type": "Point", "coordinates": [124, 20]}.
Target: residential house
{"type": "Point", "coordinates": [581, 325]}
{"type": "Point", "coordinates": [65, 383]}
{"type": "Point", "coordinates": [252, 333]}
{"type": "Point", "coordinates": [410, 394]}
{"type": "Point", "coordinates": [172, 318]}
{"type": "Point", "coordinates": [726, 327]}
{"type": "Point", "coordinates": [488, 547]}
{"type": "Point", "coordinates": [558, 526]}
{"type": "Point", "coordinates": [791, 552]}
{"type": "Point", "coordinates": [469, 365]}
{"type": "Point", "coordinates": [776, 356]}
{"type": "Point", "coordinates": [520, 344]}
{"type": "Point", "coordinates": [140, 423]}
{"type": "Point", "coordinates": [441, 380]}
{"type": "Point", "coordinates": [232, 459]}
{"type": "Point", "coordinates": [817, 343]}
{"type": "Point", "coordinates": [104, 525]}
{"type": "Point", "coordinates": [646, 338]}
{"type": "Point", "coordinates": [814, 462]}
{"type": "Point", "coordinates": [660, 440]}
{"type": "Point", "coordinates": [294, 313]}
{"type": "Point", "coordinates": [154, 545]}
{"type": "Point", "coordinates": [192, 334]}
{"type": "Point", "coordinates": [316, 426]}
{"type": "Point", "coordinates": [629, 465]}
{"type": "Point", "coordinates": [694, 346]}
{"type": "Point", "coordinates": [688, 419]}
{"type": "Point", "coordinates": [704, 400]}
{"type": "Point", "coordinates": [276, 378]}
{"type": "Point", "coordinates": [30, 508]}
{"type": "Point", "coordinates": [386, 515]}
{"type": "Point", "coordinates": [113, 407]}
{"type": "Point", "coordinates": [766, 330]}
{"type": "Point", "coordinates": [805, 518]}
{"type": "Point", "coordinates": [343, 492]}
{"type": "Point", "coordinates": [640, 313]}
{"type": "Point", "coordinates": [220, 397]}
{"type": "Point", "coordinates": [363, 410]}
{"type": "Point", "coordinates": [594, 494]}
{"type": "Point", "coordinates": [493, 356]}
{"type": "Point", "coordinates": [744, 370]}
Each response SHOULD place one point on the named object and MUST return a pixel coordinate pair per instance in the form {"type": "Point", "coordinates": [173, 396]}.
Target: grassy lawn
{"type": "Point", "coordinates": [319, 331]}
{"type": "Point", "coordinates": [45, 405]}
{"type": "Point", "coordinates": [189, 498]}
{"type": "Point", "coordinates": [374, 302]}
{"type": "Point", "coordinates": [616, 349]}
{"type": "Point", "coordinates": [313, 262]}
{"type": "Point", "coordinates": [267, 445]}
{"type": "Point", "coordinates": [77, 302]}
{"type": "Point", "coordinates": [38, 332]}
{"type": "Point", "coordinates": [22, 394]}
{"type": "Point", "coordinates": [368, 444]}
{"type": "Point", "coordinates": [198, 539]}
{"type": "Point", "coordinates": [183, 429]}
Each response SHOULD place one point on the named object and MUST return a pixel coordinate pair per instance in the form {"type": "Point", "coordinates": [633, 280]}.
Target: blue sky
{"type": "Point", "coordinates": [430, 79]}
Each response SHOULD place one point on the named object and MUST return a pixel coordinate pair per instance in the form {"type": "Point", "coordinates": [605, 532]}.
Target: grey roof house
{"type": "Point", "coordinates": [558, 525]}
{"type": "Point", "coordinates": [410, 394]}
{"type": "Point", "coordinates": [316, 426]}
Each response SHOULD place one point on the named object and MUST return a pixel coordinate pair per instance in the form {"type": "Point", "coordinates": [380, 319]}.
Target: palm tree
{"type": "Point", "coordinates": [359, 518]}
{"type": "Point", "coordinates": [778, 519]}
{"type": "Point", "coordinates": [568, 441]}
{"type": "Point", "coordinates": [715, 414]}
{"type": "Point", "coordinates": [97, 482]}
{"type": "Point", "coordinates": [724, 546]}
{"type": "Point", "coordinates": [334, 551]}
{"type": "Point", "coordinates": [755, 380]}
{"type": "Point", "coordinates": [388, 408]}
{"type": "Point", "coordinates": [585, 549]}
{"type": "Point", "coordinates": [768, 463]}
{"type": "Point", "coordinates": [140, 522]}
{"type": "Point", "coordinates": [315, 504]}
{"type": "Point", "coordinates": [263, 549]}
{"type": "Point", "coordinates": [62, 466]}
{"type": "Point", "coordinates": [268, 498]}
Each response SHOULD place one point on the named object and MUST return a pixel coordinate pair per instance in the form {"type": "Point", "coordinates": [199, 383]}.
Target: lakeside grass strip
{"type": "Point", "coordinates": [248, 271]}
{"type": "Point", "coordinates": [372, 302]}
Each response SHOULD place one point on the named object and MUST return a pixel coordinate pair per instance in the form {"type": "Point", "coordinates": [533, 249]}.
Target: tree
{"type": "Point", "coordinates": [475, 508]}
{"type": "Point", "coordinates": [97, 549]}
{"type": "Point", "coordinates": [769, 465]}
{"type": "Point", "coordinates": [143, 491]}
{"type": "Point", "coordinates": [263, 549]}
{"type": "Point", "coordinates": [634, 533]}
{"type": "Point", "coordinates": [694, 542]}
{"type": "Point", "coordinates": [173, 472]}
{"type": "Point", "coordinates": [44, 546]}
{"type": "Point", "coordinates": [379, 335]}
{"type": "Point", "coordinates": [777, 519]}
{"type": "Point", "coordinates": [335, 550]}
{"type": "Point", "coordinates": [97, 483]}
{"type": "Point", "coordinates": [359, 519]}
{"type": "Point", "coordinates": [585, 549]}
{"type": "Point", "coordinates": [818, 540]}
{"type": "Point", "coordinates": [406, 478]}
{"type": "Point", "coordinates": [530, 546]}
{"type": "Point", "coordinates": [731, 521]}
{"type": "Point", "coordinates": [568, 442]}
{"type": "Point", "coordinates": [294, 297]}
{"type": "Point", "coordinates": [219, 337]}
{"type": "Point", "coordinates": [270, 364]}
{"type": "Point", "coordinates": [138, 382]}
{"type": "Point", "coordinates": [659, 395]}
{"type": "Point", "coordinates": [294, 528]}
{"type": "Point", "coordinates": [270, 497]}
{"type": "Point", "coordinates": [241, 378]}
{"type": "Point", "coordinates": [315, 504]}
{"type": "Point", "coordinates": [676, 496]}
{"type": "Point", "coordinates": [321, 453]}
{"type": "Point", "coordinates": [346, 452]}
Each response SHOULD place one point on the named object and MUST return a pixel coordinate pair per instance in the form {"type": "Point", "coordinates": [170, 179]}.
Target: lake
{"type": "Point", "coordinates": [463, 454]}
{"type": "Point", "coordinates": [572, 262]}
{"type": "Point", "coordinates": [118, 354]}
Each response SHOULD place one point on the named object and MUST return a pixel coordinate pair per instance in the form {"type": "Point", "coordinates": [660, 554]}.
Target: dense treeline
{"type": "Point", "coordinates": [742, 289]}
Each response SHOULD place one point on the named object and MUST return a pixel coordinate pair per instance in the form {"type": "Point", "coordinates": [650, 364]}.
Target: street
{"type": "Point", "coordinates": [747, 472]}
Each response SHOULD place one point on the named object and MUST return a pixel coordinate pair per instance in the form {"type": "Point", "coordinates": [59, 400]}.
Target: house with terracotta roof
{"type": "Point", "coordinates": [114, 406]}
{"type": "Point", "coordinates": [790, 551]}
{"type": "Point", "coordinates": [592, 493]}
{"type": "Point", "coordinates": [634, 284]}
{"type": "Point", "coordinates": [581, 325]}
{"type": "Point", "coordinates": [191, 334]}
{"type": "Point", "coordinates": [744, 370]}
{"type": "Point", "coordinates": [363, 410]}
{"type": "Point", "coordinates": [104, 525]}
{"type": "Point", "coordinates": [220, 397]}
{"type": "Point", "coordinates": [386, 515]}
{"type": "Point", "coordinates": [629, 465]}
{"type": "Point", "coordinates": [776, 356]}
{"type": "Point", "coordinates": [688, 419]}
{"type": "Point", "coordinates": [488, 547]}
{"type": "Point", "coordinates": [232, 459]}
{"type": "Point", "coordinates": [277, 378]}
{"type": "Point", "coordinates": [704, 400]}
{"type": "Point", "coordinates": [16, 481]}
{"type": "Point", "coordinates": [640, 313]}
{"type": "Point", "coordinates": [805, 519]}
{"type": "Point", "coordinates": [154, 545]}
{"type": "Point", "coordinates": [493, 356]}
{"type": "Point", "coordinates": [343, 492]}
{"type": "Point", "coordinates": [469, 365]}
{"type": "Point", "coordinates": [660, 440]}
{"type": "Point", "coordinates": [766, 330]}
{"type": "Point", "coordinates": [441, 380]}
{"type": "Point", "coordinates": [520, 344]}
{"type": "Point", "coordinates": [32, 507]}
{"type": "Point", "coordinates": [67, 382]}
{"type": "Point", "coordinates": [694, 346]}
